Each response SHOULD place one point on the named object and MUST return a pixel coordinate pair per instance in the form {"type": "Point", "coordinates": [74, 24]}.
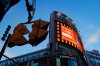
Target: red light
{"type": "Point", "coordinates": [67, 34]}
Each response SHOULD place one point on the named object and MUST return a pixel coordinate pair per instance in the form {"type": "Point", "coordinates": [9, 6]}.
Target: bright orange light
{"type": "Point", "coordinates": [68, 34]}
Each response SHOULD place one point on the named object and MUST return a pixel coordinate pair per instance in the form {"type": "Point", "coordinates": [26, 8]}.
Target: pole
{"type": "Point", "coordinates": [4, 47]}
{"type": "Point", "coordinates": [11, 59]}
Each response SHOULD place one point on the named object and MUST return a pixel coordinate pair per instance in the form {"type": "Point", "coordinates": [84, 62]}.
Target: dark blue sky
{"type": "Point", "coordinates": [85, 14]}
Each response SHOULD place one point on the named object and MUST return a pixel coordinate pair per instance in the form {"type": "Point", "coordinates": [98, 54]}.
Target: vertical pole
{"type": "Point", "coordinates": [4, 47]}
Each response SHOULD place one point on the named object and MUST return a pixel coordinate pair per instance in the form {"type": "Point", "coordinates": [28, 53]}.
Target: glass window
{"type": "Point", "coordinates": [58, 62]}
{"type": "Point", "coordinates": [36, 64]}
{"type": "Point", "coordinates": [32, 63]}
{"type": "Point", "coordinates": [72, 63]}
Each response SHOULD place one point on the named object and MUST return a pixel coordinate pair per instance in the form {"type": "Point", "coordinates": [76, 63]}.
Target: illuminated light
{"type": "Point", "coordinates": [73, 22]}
{"type": "Point", "coordinates": [69, 43]}
{"type": "Point", "coordinates": [65, 41]}
{"type": "Point", "coordinates": [69, 27]}
{"type": "Point", "coordinates": [73, 30]}
{"type": "Point", "coordinates": [58, 23]}
{"type": "Point", "coordinates": [72, 44]}
{"type": "Point", "coordinates": [61, 24]}
{"type": "Point", "coordinates": [58, 32]}
{"type": "Point", "coordinates": [75, 46]}
{"type": "Point", "coordinates": [64, 25]}
{"type": "Point", "coordinates": [58, 39]}
{"type": "Point", "coordinates": [58, 35]}
{"type": "Point", "coordinates": [78, 48]}
{"type": "Point", "coordinates": [58, 14]}
{"type": "Point", "coordinates": [62, 40]}
{"type": "Point", "coordinates": [69, 36]}
{"type": "Point", "coordinates": [57, 28]}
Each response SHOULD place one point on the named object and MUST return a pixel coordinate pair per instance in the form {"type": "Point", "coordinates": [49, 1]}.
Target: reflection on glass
{"type": "Point", "coordinates": [72, 63]}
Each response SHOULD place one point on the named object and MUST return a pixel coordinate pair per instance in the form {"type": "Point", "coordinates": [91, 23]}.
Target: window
{"type": "Point", "coordinates": [72, 63]}
{"type": "Point", "coordinates": [57, 61]}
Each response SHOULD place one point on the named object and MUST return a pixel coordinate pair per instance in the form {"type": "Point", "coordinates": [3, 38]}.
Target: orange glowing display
{"type": "Point", "coordinates": [67, 34]}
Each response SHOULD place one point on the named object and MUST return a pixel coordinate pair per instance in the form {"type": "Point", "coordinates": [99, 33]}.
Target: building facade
{"type": "Point", "coordinates": [43, 57]}
{"type": "Point", "coordinates": [65, 37]}
{"type": "Point", "coordinates": [93, 57]}
{"type": "Point", "coordinates": [46, 57]}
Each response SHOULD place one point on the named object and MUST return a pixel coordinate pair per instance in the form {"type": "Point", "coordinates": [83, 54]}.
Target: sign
{"type": "Point", "coordinates": [66, 34]}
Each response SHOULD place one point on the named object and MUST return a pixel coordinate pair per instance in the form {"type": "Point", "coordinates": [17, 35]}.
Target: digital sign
{"type": "Point", "coordinates": [64, 37]}
{"type": "Point", "coordinates": [67, 35]}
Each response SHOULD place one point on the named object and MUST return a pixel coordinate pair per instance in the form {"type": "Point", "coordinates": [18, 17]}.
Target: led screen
{"type": "Point", "coordinates": [67, 35]}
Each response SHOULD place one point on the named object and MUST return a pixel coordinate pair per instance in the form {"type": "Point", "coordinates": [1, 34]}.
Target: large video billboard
{"type": "Point", "coordinates": [67, 35]}
{"type": "Point", "coordinates": [65, 32]}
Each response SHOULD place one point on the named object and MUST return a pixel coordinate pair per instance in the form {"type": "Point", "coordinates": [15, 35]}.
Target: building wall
{"type": "Point", "coordinates": [94, 59]}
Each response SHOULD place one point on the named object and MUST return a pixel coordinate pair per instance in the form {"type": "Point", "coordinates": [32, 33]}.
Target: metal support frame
{"type": "Point", "coordinates": [11, 59]}
{"type": "Point", "coordinates": [4, 47]}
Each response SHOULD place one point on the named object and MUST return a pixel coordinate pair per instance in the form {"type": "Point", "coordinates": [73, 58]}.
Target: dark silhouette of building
{"type": "Point", "coordinates": [65, 37]}
{"type": "Point", "coordinates": [43, 57]}
{"type": "Point", "coordinates": [93, 57]}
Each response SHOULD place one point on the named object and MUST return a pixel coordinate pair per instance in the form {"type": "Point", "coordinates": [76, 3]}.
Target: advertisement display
{"type": "Point", "coordinates": [67, 34]}
{"type": "Point", "coordinates": [64, 37]}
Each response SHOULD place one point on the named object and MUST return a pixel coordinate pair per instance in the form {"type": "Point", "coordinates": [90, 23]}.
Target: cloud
{"type": "Point", "coordinates": [94, 38]}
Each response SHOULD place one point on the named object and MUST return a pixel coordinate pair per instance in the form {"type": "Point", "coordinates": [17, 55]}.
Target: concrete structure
{"type": "Point", "coordinates": [43, 57]}
{"type": "Point", "coordinates": [93, 57]}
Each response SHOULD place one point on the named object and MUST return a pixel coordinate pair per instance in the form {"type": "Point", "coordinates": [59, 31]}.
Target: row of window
{"type": "Point", "coordinates": [23, 58]}
{"type": "Point", "coordinates": [88, 53]}
{"type": "Point", "coordinates": [94, 60]}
